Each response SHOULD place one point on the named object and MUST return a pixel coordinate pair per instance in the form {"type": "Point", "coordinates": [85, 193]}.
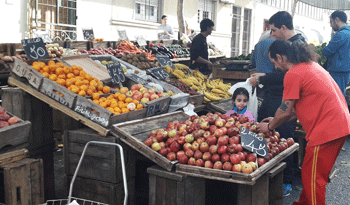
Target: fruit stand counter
{"type": "Point", "coordinates": [253, 188]}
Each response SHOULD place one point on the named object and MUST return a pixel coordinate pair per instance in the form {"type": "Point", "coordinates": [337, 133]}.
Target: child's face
{"type": "Point", "coordinates": [241, 101]}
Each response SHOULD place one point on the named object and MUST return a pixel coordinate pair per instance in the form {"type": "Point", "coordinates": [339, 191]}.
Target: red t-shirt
{"type": "Point", "coordinates": [319, 104]}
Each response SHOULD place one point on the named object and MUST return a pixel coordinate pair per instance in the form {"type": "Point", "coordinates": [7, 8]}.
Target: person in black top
{"type": "Point", "coordinates": [199, 48]}
{"type": "Point", "coordinates": [281, 25]}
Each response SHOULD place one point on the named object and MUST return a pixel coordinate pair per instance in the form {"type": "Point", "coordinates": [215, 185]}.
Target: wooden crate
{"type": "Point", "coordinates": [13, 156]}
{"type": "Point", "coordinates": [218, 72]}
{"type": "Point", "coordinates": [23, 182]}
{"type": "Point", "coordinates": [102, 192]}
{"type": "Point", "coordinates": [222, 106]}
{"type": "Point", "coordinates": [77, 44]}
{"type": "Point", "coordinates": [22, 69]}
{"type": "Point", "coordinates": [235, 177]}
{"type": "Point", "coordinates": [196, 99]}
{"type": "Point", "coordinates": [134, 133]}
{"type": "Point", "coordinates": [14, 136]}
{"type": "Point", "coordinates": [276, 184]}
{"type": "Point", "coordinates": [170, 188]}
{"type": "Point", "coordinates": [158, 106]}
{"type": "Point", "coordinates": [103, 116]}
{"type": "Point", "coordinates": [99, 44]}
{"type": "Point", "coordinates": [100, 163]}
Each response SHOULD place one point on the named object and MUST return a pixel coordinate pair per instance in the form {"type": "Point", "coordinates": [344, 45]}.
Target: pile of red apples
{"type": "Point", "coordinates": [214, 141]}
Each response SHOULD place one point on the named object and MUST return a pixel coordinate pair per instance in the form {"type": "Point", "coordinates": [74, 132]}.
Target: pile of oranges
{"type": "Point", "coordinates": [74, 78]}
{"type": "Point", "coordinates": [117, 103]}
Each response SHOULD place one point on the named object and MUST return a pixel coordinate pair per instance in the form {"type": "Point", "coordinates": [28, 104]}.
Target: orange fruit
{"type": "Point", "coordinates": [36, 67]}
{"type": "Point", "coordinates": [51, 62]}
{"type": "Point", "coordinates": [86, 82]}
{"type": "Point", "coordinates": [42, 64]}
{"type": "Point", "coordinates": [100, 92]}
{"type": "Point", "coordinates": [83, 87]}
{"type": "Point", "coordinates": [103, 104]}
{"type": "Point", "coordinates": [70, 75]}
{"type": "Point", "coordinates": [52, 67]}
{"type": "Point", "coordinates": [117, 109]}
{"type": "Point", "coordinates": [61, 82]}
{"type": "Point", "coordinates": [82, 93]}
{"type": "Point", "coordinates": [135, 102]}
{"type": "Point", "coordinates": [89, 92]}
{"type": "Point", "coordinates": [93, 83]}
{"type": "Point", "coordinates": [95, 96]}
{"type": "Point", "coordinates": [125, 110]}
{"type": "Point", "coordinates": [106, 89]}
{"type": "Point", "coordinates": [96, 101]}
{"type": "Point", "coordinates": [73, 67]}
{"type": "Point", "coordinates": [110, 109]}
{"type": "Point", "coordinates": [46, 74]}
{"type": "Point", "coordinates": [67, 69]}
{"type": "Point", "coordinates": [88, 77]}
{"type": "Point", "coordinates": [121, 97]}
{"type": "Point", "coordinates": [59, 64]}
{"type": "Point", "coordinates": [114, 104]}
{"type": "Point", "coordinates": [36, 63]}
{"type": "Point", "coordinates": [116, 95]}
{"type": "Point", "coordinates": [102, 99]}
{"type": "Point", "coordinates": [79, 68]}
{"type": "Point", "coordinates": [139, 106]}
{"type": "Point", "coordinates": [75, 89]}
{"type": "Point", "coordinates": [128, 100]}
{"type": "Point", "coordinates": [78, 83]}
{"type": "Point", "coordinates": [46, 69]}
{"type": "Point", "coordinates": [108, 102]}
{"type": "Point", "coordinates": [95, 79]}
{"type": "Point", "coordinates": [69, 82]}
{"type": "Point", "coordinates": [99, 83]}
{"type": "Point", "coordinates": [76, 72]}
{"type": "Point", "coordinates": [82, 73]}
{"type": "Point", "coordinates": [52, 77]}
{"type": "Point", "coordinates": [100, 87]}
{"type": "Point", "coordinates": [59, 71]}
{"type": "Point", "coordinates": [62, 76]}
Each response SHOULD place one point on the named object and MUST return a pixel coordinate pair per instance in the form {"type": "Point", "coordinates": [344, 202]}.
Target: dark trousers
{"type": "Point", "coordinates": [268, 108]}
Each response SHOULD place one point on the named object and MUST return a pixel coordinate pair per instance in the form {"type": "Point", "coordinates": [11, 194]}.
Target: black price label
{"type": "Point", "coordinates": [88, 34]}
{"type": "Point", "coordinates": [159, 73]}
{"type": "Point", "coordinates": [116, 72]}
{"type": "Point", "coordinates": [35, 48]}
{"type": "Point", "coordinates": [254, 142]}
{"type": "Point", "coordinates": [136, 78]}
{"type": "Point", "coordinates": [122, 35]}
{"type": "Point", "coordinates": [164, 60]}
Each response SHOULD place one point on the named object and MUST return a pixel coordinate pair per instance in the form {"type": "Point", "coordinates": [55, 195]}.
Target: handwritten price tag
{"type": "Point", "coordinates": [254, 142]}
{"type": "Point", "coordinates": [136, 78]}
{"type": "Point", "coordinates": [159, 73]}
{"type": "Point", "coordinates": [35, 48]}
{"type": "Point", "coordinates": [164, 60]}
{"type": "Point", "coordinates": [88, 34]}
{"type": "Point", "coordinates": [116, 72]}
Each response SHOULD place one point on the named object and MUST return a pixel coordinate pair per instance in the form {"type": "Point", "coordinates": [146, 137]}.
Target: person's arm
{"type": "Point", "coordinates": [255, 78]}
{"type": "Point", "coordinates": [273, 78]}
{"type": "Point", "coordinates": [334, 45]}
{"type": "Point", "coordinates": [204, 61]}
{"type": "Point", "coordinates": [283, 114]}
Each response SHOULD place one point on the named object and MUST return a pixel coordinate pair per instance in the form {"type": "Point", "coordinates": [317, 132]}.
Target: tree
{"type": "Point", "coordinates": [180, 16]}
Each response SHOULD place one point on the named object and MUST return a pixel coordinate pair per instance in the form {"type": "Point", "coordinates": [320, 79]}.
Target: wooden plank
{"type": "Point", "coordinates": [222, 106]}
{"type": "Point", "coordinates": [56, 105]}
{"type": "Point", "coordinates": [158, 106]}
{"type": "Point", "coordinates": [196, 99]}
{"type": "Point", "coordinates": [16, 101]}
{"type": "Point", "coordinates": [13, 156]}
{"type": "Point", "coordinates": [254, 195]}
{"type": "Point", "coordinates": [14, 135]}
{"type": "Point", "coordinates": [22, 69]}
{"type": "Point", "coordinates": [276, 184]}
{"type": "Point", "coordinates": [234, 177]}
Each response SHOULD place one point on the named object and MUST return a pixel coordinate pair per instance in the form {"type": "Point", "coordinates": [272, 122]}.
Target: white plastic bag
{"type": "Point", "coordinates": [253, 100]}
{"type": "Point", "coordinates": [189, 109]}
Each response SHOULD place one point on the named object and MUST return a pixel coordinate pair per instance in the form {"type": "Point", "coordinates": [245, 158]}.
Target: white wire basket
{"type": "Point", "coordinates": [78, 200]}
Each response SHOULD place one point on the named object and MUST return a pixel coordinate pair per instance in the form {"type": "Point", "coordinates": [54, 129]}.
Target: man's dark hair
{"type": "Point", "coordinates": [282, 18]}
{"type": "Point", "coordinates": [340, 14]}
{"type": "Point", "coordinates": [296, 52]}
{"type": "Point", "coordinates": [164, 16]}
{"type": "Point", "coordinates": [240, 91]}
{"type": "Point", "coordinates": [205, 23]}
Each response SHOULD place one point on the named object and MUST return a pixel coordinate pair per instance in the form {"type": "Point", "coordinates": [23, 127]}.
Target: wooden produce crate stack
{"type": "Point", "coordinates": [100, 176]}
{"type": "Point", "coordinates": [22, 180]}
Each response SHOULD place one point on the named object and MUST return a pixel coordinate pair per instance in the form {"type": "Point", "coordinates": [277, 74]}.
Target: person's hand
{"type": "Point", "coordinates": [253, 81]}
{"type": "Point", "coordinates": [166, 33]}
{"type": "Point", "coordinates": [268, 120]}
{"type": "Point", "coordinates": [263, 127]}
{"type": "Point", "coordinates": [257, 74]}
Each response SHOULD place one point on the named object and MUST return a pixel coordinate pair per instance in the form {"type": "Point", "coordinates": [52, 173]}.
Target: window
{"type": "Point", "coordinates": [58, 18]}
{"type": "Point", "coordinates": [147, 10]}
{"type": "Point", "coordinates": [246, 31]}
{"type": "Point", "coordinates": [236, 31]}
{"type": "Point", "coordinates": [205, 10]}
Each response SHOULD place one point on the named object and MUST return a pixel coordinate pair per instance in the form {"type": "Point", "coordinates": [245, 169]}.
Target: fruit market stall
{"type": "Point", "coordinates": [197, 147]}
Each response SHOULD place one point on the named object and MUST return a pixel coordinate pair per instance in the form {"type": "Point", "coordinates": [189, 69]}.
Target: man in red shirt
{"type": "Point", "coordinates": [320, 107]}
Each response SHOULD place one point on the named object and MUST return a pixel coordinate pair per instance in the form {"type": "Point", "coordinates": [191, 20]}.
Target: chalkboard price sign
{"type": "Point", "coordinates": [136, 78]}
{"type": "Point", "coordinates": [254, 142]}
{"type": "Point", "coordinates": [122, 35]}
{"type": "Point", "coordinates": [35, 48]}
{"type": "Point", "coordinates": [159, 73]}
{"type": "Point", "coordinates": [88, 34]}
{"type": "Point", "coordinates": [116, 72]}
{"type": "Point", "coordinates": [164, 60]}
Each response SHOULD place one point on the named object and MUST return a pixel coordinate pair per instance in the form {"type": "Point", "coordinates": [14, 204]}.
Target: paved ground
{"type": "Point", "coordinates": [338, 191]}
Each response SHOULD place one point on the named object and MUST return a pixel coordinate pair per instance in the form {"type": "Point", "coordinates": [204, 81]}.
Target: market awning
{"type": "Point", "coordinates": [329, 4]}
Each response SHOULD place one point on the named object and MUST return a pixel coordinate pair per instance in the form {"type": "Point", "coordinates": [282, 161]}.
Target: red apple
{"type": "Point", "coordinates": [222, 149]}
{"type": "Point", "coordinates": [227, 166]}
{"type": "Point", "coordinates": [242, 156]}
{"type": "Point", "coordinates": [200, 140]}
{"type": "Point", "coordinates": [211, 120]}
{"type": "Point", "coordinates": [213, 128]}
{"type": "Point", "coordinates": [171, 156]}
{"type": "Point", "coordinates": [254, 165]}
{"type": "Point", "coordinates": [191, 161]}
{"type": "Point", "coordinates": [205, 125]}
{"type": "Point", "coordinates": [237, 168]}
{"type": "Point", "coordinates": [160, 137]}
{"type": "Point", "coordinates": [222, 141]}
{"type": "Point", "coordinates": [187, 146]}
{"type": "Point", "coordinates": [181, 140]}
{"type": "Point", "coordinates": [163, 151]}
{"type": "Point", "coordinates": [183, 159]}
{"type": "Point", "coordinates": [231, 148]}
{"type": "Point", "coordinates": [149, 141]}
{"type": "Point", "coordinates": [189, 138]}
{"type": "Point", "coordinates": [224, 130]}
{"type": "Point", "coordinates": [235, 158]}
{"type": "Point", "coordinates": [181, 152]}
{"type": "Point", "coordinates": [198, 154]}
{"type": "Point", "coordinates": [197, 134]}
{"type": "Point", "coordinates": [169, 141]}
{"type": "Point", "coordinates": [208, 164]}
{"type": "Point", "coordinates": [290, 142]}
{"type": "Point", "coordinates": [206, 134]}
{"type": "Point", "coordinates": [217, 165]}
{"type": "Point", "coordinates": [200, 163]}
{"type": "Point", "coordinates": [225, 158]}
{"type": "Point", "coordinates": [232, 131]}
{"type": "Point", "coordinates": [219, 123]}
{"type": "Point", "coordinates": [211, 140]}
{"type": "Point", "coordinates": [261, 161]}
{"type": "Point", "coordinates": [206, 156]}
{"type": "Point", "coordinates": [251, 157]}
{"type": "Point", "coordinates": [204, 147]}
{"type": "Point", "coordinates": [218, 133]}
{"type": "Point", "coordinates": [239, 148]}
{"type": "Point", "coordinates": [229, 124]}
{"type": "Point", "coordinates": [247, 168]}
{"type": "Point", "coordinates": [215, 158]}
{"type": "Point", "coordinates": [195, 146]}
{"type": "Point", "coordinates": [213, 149]}
{"type": "Point", "coordinates": [156, 146]}
{"type": "Point", "coordinates": [175, 146]}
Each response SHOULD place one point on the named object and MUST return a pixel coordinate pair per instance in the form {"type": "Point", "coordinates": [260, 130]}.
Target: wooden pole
{"type": "Point", "coordinates": [180, 17]}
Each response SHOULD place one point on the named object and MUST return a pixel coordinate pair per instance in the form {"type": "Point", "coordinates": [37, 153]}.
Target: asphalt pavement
{"type": "Point", "coordinates": [338, 190]}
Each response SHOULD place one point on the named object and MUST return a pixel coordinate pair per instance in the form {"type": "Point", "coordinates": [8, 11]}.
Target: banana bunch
{"type": "Point", "coordinates": [179, 74]}
{"type": "Point", "coordinates": [198, 74]}
{"type": "Point", "coordinates": [168, 69]}
{"type": "Point", "coordinates": [183, 68]}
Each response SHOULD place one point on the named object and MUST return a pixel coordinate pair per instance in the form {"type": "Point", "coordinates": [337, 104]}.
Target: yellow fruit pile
{"type": "Point", "coordinates": [117, 103]}
{"type": "Point", "coordinates": [74, 78]}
